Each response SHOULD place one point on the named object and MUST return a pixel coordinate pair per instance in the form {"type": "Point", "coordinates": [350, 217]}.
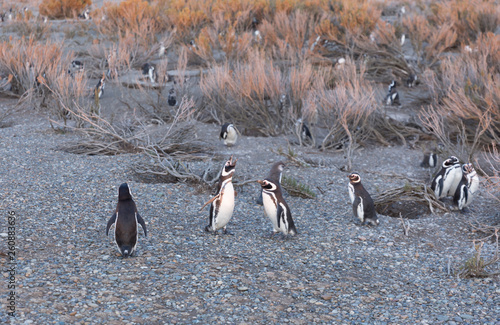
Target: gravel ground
{"type": "Point", "coordinates": [335, 271]}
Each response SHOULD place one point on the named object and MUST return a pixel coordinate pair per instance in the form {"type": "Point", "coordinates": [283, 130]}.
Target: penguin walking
{"type": "Point", "coordinates": [392, 97]}
{"type": "Point", "coordinates": [222, 205]}
{"type": "Point", "coordinates": [172, 101]}
{"type": "Point", "coordinates": [446, 180]}
{"type": "Point", "coordinates": [411, 81]}
{"type": "Point", "coordinates": [229, 134]}
{"type": "Point", "coordinates": [430, 160]}
{"type": "Point", "coordinates": [126, 219]}
{"type": "Point", "coordinates": [467, 187]}
{"type": "Point", "coordinates": [276, 208]}
{"type": "Point", "coordinates": [99, 89]}
{"type": "Point", "coordinates": [362, 202]}
{"type": "Point", "coordinates": [149, 71]}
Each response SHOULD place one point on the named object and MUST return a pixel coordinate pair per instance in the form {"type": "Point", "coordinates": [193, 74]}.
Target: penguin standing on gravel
{"type": "Point", "coordinates": [446, 181]}
{"type": "Point", "coordinates": [467, 187]}
{"type": "Point", "coordinates": [99, 89]}
{"type": "Point", "coordinates": [276, 208]}
{"type": "Point", "coordinates": [229, 134]}
{"type": "Point", "coordinates": [430, 160]}
{"type": "Point", "coordinates": [222, 205]}
{"type": "Point", "coordinates": [362, 202]}
{"type": "Point", "coordinates": [392, 97]}
{"type": "Point", "coordinates": [126, 219]}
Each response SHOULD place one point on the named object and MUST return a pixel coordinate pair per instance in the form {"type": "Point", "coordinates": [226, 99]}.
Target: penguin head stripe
{"type": "Point", "coordinates": [355, 178]}
{"type": "Point", "coordinates": [267, 185]}
{"type": "Point", "coordinates": [469, 169]}
{"type": "Point", "coordinates": [124, 192]}
{"type": "Point", "coordinates": [450, 161]}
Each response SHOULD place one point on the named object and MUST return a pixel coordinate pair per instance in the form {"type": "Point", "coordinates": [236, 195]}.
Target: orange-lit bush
{"type": "Point", "coordinates": [136, 17]}
{"type": "Point", "coordinates": [63, 8]}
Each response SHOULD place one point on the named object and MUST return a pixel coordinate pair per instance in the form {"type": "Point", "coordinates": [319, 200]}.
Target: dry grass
{"type": "Point", "coordinates": [136, 19]}
{"type": "Point", "coordinates": [408, 201]}
{"type": "Point", "coordinates": [467, 100]}
{"type": "Point", "coordinates": [63, 8]}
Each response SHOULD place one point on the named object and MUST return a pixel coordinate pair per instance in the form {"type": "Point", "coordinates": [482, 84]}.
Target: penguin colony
{"type": "Point", "coordinates": [459, 181]}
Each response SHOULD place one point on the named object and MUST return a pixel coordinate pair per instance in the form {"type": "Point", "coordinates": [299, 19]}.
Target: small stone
{"type": "Point", "coordinates": [242, 289]}
{"type": "Point", "coordinates": [2, 234]}
{"type": "Point", "coordinates": [326, 297]}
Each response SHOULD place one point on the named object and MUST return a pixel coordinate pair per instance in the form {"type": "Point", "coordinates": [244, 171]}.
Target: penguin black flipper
{"type": "Point", "coordinates": [111, 221]}
{"type": "Point", "coordinates": [142, 223]}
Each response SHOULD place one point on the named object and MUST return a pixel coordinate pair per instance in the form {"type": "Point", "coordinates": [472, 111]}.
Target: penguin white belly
{"type": "Point", "coordinates": [226, 207]}
{"type": "Point", "coordinates": [351, 193]}
{"type": "Point", "coordinates": [473, 184]}
{"type": "Point", "coordinates": [451, 181]}
{"type": "Point", "coordinates": [271, 209]}
{"type": "Point", "coordinates": [361, 210]}
{"type": "Point", "coordinates": [231, 137]}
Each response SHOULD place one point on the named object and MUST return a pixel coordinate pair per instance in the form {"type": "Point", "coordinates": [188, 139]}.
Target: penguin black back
{"type": "Point", "coordinates": [276, 208]}
{"type": "Point", "coordinates": [276, 172]}
{"type": "Point", "coordinates": [126, 219]}
{"type": "Point", "coordinates": [362, 203]}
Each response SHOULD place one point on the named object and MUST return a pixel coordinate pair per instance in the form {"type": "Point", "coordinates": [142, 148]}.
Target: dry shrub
{"type": "Point", "coordinates": [467, 99]}
{"type": "Point", "coordinates": [248, 95]}
{"type": "Point", "coordinates": [32, 29]}
{"type": "Point", "coordinates": [257, 95]}
{"type": "Point", "coordinates": [345, 110]}
{"type": "Point", "coordinates": [131, 17]}
{"type": "Point", "coordinates": [409, 201]}
{"type": "Point", "coordinates": [467, 19]}
{"type": "Point", "coordinates": [492, 158]}
{"type": "Point", "coordinates": [25, 60]}
{"type": "Point", "coordinates": [419, 32]}
{"type": "Point", "coordinates": [443, 39]}
{"type": "Point", "coordinates": [355, 17]}
{"type": "Point", "coordinates": [63, 8]}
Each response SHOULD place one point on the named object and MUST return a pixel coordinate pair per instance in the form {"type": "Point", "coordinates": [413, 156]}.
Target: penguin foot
{"type": "Point", "coordinates": [207, 229]}
{"type": "Point", "coordinates": [227, 232]}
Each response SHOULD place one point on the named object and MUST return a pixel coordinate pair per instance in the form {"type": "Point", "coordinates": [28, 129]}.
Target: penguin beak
{"type": "Point", "coordinates": [260, 182]}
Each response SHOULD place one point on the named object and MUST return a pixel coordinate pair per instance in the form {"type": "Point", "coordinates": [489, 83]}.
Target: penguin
{"type": "Point", "coordinates": [99, 89]}
{"type": "Point", "coordinates": [229, 134]}
{"type": "Point", "coordinates": [222, 205]}
{"type": "Point", "coordinates": [305, 134]}
{"type": "Point", "coordinates": [411, 81]}
{"type": "Point", "coordinates": [276, 208]}
{"type": "Point", "coordinates": [85, 15]}
{"type": "Point", "coordinates": [362, 202]}
{"type": "Point", "coordinates": [126, 219]}
{"type": "Point", "coordinates": [172, 101]}
{"type": "Point", "coordinates": [472, 178]}
{"type": "Point", "coordinates": [446, 180]}
{"type": "Point", "coordinates": [78, 65]}
{"type": "Point", "coordinates": [149, 70]}
{"type": "Point", "coordinates": [392, 97]}
{"type": "Point", "coordinates": [161, 50]}
{"type": "Point", "coordinates": [255, 30]}
{"type": "Point", "coordinates": [430, 160]}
